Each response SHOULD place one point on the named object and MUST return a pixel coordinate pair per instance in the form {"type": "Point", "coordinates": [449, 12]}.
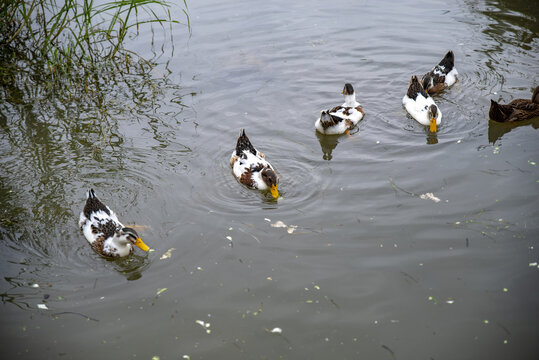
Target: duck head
{"type": "Point", "coordinates": [349, 94]}
{"type": "Point", "coordinates": [271, 179]}
{"type": "Point", "coordinates": [128, 235]}
{"type": "Point", "coordinates": [432, 113]}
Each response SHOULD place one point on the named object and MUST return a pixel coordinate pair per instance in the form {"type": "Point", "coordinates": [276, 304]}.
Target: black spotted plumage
{"type": "Point", "coordinates": [415, 89]}
{"type": "Point", "coordinates": [244, 144]}
{"type": "Point", "coordinates": [93, 204]}
{"type": "Point", "coordinates": [330, 120]}
{"type": "Point", "coordinates": [108, 228]}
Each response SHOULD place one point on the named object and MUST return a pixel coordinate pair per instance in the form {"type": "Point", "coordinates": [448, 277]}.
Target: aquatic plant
{"type": "Point", "coordinates": [76, 33]}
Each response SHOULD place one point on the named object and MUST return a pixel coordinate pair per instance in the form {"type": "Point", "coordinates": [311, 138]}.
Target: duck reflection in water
{"type": "Point", "coordinates": [496, 129]}
{"type": "Point", "coordinates": [327, 143]}
{"type": "Point", "coordinates": [432, 138]}
{"type": "Point", "coordinates": [519, 112]}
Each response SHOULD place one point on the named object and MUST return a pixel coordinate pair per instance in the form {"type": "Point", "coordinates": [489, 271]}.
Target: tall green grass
{"type": "Point", "coordinates": [81, 32]}
{"type": "Point", "coordinates": [59, 55]}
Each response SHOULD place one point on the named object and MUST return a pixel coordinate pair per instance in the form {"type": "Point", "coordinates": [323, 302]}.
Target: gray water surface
{"type": "Point", "coordinates": [365, 269]}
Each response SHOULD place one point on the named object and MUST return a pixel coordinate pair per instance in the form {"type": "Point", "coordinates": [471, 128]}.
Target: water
{"type": "Point", "coordinates": [370, 270]}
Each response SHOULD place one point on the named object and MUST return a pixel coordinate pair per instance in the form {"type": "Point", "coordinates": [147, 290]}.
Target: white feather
{"type": "Point", "coordinates": [418, 108]}
{"type": "Point", "coordinates": [451, 77]}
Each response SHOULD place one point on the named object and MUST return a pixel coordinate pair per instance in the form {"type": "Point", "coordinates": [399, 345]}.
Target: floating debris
{"type": "Point", "coordinates": [268, 220]}
{"type": "Point", "coordinates": [186, 357]}
{"type": "Point", "coordinates": [42, 307]}
{"type": "Point", "coordinates": [533, 264]}
{"type": "Point", "coordinates": [276, 330]}
{"type": "Point", "coordinates": [35, 285]}
{"type": "Point", "coordinates": [205, 325]}
{"type": "Point", "coordinates": [160, 291]}
{"type": "Point", "coordinates": [505, 290]}
{"type": "Point", "coordinates": [289, 228]}
{"type": "Point", "coordinates": [279, 224]}
{"type": "Point", "coordinates": [167, 254]}
{"type": "Point", "coordinates": [229, 238]}
{"type": "Point", "coordinates": [531, 162]}
{"type": "Point", "coordinates": [450, 301]}
{"type": "Point", "coordinates": [429, 196]}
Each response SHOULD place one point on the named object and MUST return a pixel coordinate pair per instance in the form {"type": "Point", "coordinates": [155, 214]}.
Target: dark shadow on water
{"type": "Point", "coordinates": [496, 129]}
{"type": "Point", "coordinates": [516, 21]}
{"type": "Point", "coordinates": [131, 267]}
{"type": "Point", "coordinates": [432, 138]}
{"type": "Point", "coordinates": [328, 143]}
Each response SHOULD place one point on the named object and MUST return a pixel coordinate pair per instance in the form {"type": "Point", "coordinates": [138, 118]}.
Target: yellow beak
{"type": "Point", "coordinates": [139, 243]}
{"type": "Point", "coordinates": [274, 191]}
{"type": "Point", "coordinates": [433, 127]}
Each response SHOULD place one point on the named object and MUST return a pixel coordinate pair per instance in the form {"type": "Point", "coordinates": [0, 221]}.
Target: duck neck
{"type": "Point", "coordinates": [350, 100]}
{"type": "Point", "coordinates": [120, 244]}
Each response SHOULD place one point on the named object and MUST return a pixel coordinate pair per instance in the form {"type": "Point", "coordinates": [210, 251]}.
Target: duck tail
{"type": "Point", "coordinates": [91, 194]}
{"type": "Point", "coordinates": [244, 144]}
{"type": "Point", "coordinates": [496, 112]}
{"type": "Point", "coordinates": [415, 88]}
{"type": "Point", "coordinates": [448, 61]}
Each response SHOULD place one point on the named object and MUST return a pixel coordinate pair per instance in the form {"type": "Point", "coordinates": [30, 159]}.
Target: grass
{"type": "Point", "coordinates": [70, 33]}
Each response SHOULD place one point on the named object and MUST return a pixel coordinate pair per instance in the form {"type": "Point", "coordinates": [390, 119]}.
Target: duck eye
{"type": "Point", "coordinates": [426, 107]}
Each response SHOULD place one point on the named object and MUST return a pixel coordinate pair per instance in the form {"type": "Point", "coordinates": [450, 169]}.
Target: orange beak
{"type": "Point", "coordinates": [433, 127]}
{"type": "Point", "coordinates": [274, 191]}
{"type": "Point", "coordinates": [140, 244]}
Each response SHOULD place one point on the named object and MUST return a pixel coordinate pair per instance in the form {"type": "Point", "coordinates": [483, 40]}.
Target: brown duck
{"type": "Point", "coordinates": [516, 110]}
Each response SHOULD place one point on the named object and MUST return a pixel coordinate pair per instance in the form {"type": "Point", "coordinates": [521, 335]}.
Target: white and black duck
{"type": "Point", "coordinates": [251, 168]}
{"type": "Point", "coordinates": [105, 233]}
{"type": "Point", "coordinates": [341, 118]}
{"type": "Point", "coordinates": [421, 106]}
{"type": "Point", "coordinates": [441, 76]}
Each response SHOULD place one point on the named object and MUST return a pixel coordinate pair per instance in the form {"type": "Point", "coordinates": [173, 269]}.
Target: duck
{"type": "Point", "coordinates": [441, 76]}
{"type": "Point", "coordinates": [251, 168]}
{"type": "Point", "coordinates": [105, 233]}
{"type": "Point", "coordinates": [516, 110]}
{"type": "Point", "coordinates": [421, 106]}
{"type": "Point", "coordinates": [341, 118]}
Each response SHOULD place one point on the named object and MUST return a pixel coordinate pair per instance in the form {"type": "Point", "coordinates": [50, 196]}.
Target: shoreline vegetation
{"type": "Point", "coordinates": [72, 34]}
{"type": "Point", "coordinates": [65, 62]}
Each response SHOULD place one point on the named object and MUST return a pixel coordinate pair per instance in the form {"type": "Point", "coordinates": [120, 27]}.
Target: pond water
{"type": "Point", "coordinates": [365, 269]}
